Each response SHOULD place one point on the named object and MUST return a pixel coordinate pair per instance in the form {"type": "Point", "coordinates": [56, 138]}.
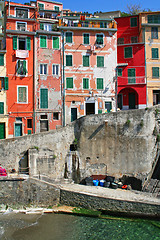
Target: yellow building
{"type": "Point", "coordinates": [3, 78]}
{"type": "Point", "coordinates": [150, 35]}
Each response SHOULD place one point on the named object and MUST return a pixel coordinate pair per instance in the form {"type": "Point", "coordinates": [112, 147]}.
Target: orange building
{"type": "Point", "coordinates": [20, 34]}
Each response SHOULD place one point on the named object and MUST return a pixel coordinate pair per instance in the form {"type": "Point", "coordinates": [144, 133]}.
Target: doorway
{"type": "Point", "coordinates": [2, 130]}
{"type": "Point", "coordinates": [132, 101]}
{"type": "Point", "coordinates": [156, 97]}
{"type": "Point", "coordinates": [43, 125]}
{"type": "Point", "coordinates": [120, 101]}
{"type": "Point", "coordinates": [18, 129]}
{"type": "Point", "coordinates": [90, 108]}
{"type": "Point", "coordinates": [73, 114]}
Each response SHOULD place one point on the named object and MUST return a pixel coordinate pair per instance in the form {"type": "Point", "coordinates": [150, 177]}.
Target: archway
{"type": "Point", "coordinates": [127, 99]}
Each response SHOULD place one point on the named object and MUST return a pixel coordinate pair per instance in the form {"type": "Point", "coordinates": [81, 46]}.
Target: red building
{"type": "Point", "coordinates": [20, 33]}
{"type": "Point", "coordinates": [131, 64]}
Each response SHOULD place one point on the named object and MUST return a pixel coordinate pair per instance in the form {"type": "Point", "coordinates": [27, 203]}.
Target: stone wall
{"type": "Point", "coordinates": [18, 192]}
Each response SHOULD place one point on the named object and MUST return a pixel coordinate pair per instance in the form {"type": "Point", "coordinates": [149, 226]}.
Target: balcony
{"type": "Point", "coordinates": [131, 80]}
{"type": "Point", "coordinates": [22, 53]}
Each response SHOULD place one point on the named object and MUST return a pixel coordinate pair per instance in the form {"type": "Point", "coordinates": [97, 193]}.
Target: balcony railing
{"type": "Point", "coordinates": [131, 80]}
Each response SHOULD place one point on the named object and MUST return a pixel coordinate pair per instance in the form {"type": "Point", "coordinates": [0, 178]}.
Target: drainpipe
{"type": "Point", "coordinates": [63, 79]}
{"type": "Point", "coordinates": [116, 88]}
{"type": "Point", "coordinates": [145, 66]}
{"type": "Point", "coordinates": [34, 81]}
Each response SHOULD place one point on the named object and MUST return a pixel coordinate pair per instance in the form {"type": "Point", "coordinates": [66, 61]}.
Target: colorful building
{"type": "Point", "coordinates": [89, 63]}
{"type": "Point", "coordinates": [48, 86]}
{"type": "Point", "coordinates": [20, 34]}
{"type": "Point", "coordinates": [131, 64]}
{"type": "Point", "coordinates": [3, 78]}
{"type": "Point", "coordinates": [150, 35]}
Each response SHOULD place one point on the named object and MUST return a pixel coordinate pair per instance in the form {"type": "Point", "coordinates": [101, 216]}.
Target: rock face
{"type": "Point", "coordinates": [116, 144]}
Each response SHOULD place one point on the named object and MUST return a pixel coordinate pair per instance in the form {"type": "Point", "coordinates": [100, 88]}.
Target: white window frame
{"type": "Point", "coordinates": [26, 68]}
{"type": "Point", "coordinates": [21, 22]}
{"type": "Point", "coordinates": [26, 94]}
{"type": "Point", "coordinates": [83, 39]}
{"type": "Point", "coordinates": [47, 25]}
{"type": "Point", "coordinates": [43, 5]}
{"type": "Point", "coordinates": [22, 9]}
{"type": "Point", "coordinates": [58, 69]}
{"type": "Point", "coordinates": [43, 69]}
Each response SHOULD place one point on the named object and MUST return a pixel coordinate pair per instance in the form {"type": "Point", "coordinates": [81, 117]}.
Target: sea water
{"type": "Point", "coordinates": [68, 227]}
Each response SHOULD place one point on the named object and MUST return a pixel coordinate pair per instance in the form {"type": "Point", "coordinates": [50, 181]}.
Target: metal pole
{"type": "Point", "coordinates": [116, 86]}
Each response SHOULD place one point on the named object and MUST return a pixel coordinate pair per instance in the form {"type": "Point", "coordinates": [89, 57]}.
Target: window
{"type": "Point", "coordinates": [43, 69]}
{"type": "Point", "coordinates": [22, 94]}
{"type": "Point", "coordinates": [131, 75]}
{"type": "Point", "coordinates": [108, 106]}
{"type": "Point", "coordinates": [133, 22]}
{"type": "Point", "coordinates": [120, 41]}
{"type": "Point", "coordinates": [4, 83]}
{"type": "Point", "coordinates": [68, 37]}
{"type": "Point", "coordinates": [86, 38]}
{"type": "Point", "coordinates": [21, 67]}
{"type": "Point", "coordinates": [155, 72]}
{"type": "Point", "coordinates": [1, 107]}
{"type": "Point", "coordinates": [29, 123]}
{"type": "Point", "coordinates": [128, 52]}
{"type": "Point", "coordinates": [43, 42]}
{"type": "Point", "coordinates": [21, 13]}
{"type": "Point", "coordinates": [68, 60]}
{"type": "Point", "coordinates": [99, 39]}
{"type": "Point", "coordinates": [100, 61]}
{"type": "Point", "coordinates": [85, 83]}
{"type": "Point", "coordinates": [155, 53]}
{"type": "Point", "coordinates": [55, 42]}
{"type": "Point", "coordinates": [154, 32]}
{"type": "Point", "coordinates": [46, 26]}
{"type": "Point", "coordinates": [56, 8]}
{"type": "Point", "coordinates": [103, 24]}
{"type": "Point", "coordinates": [69, 82]}
{"type": "Point", "coordinates": [1, 59]}
{"type": "Point", "coordinates": [23, 43]}
{"type": "Point", "coordinates": [43, 98]}
{"type": "Point", "coordinates": [56, 116]}
{"type": "Point", "coordinates": [119, 72]}
{"type": "Point", "coordinates": [41, 6]}
{"type": "Point", "coordinates": [154, 18]}
{"type": "Point", "coordinates": [44, 117]}
{"type": "Point", "coordinates": [134, 39]}
{"type": "Point", "coordinates": [85, 61]}
{"type": "Point", "coordinates": [99, 83]}
{"type": "Point", "coordinates": [55, 69]}
{"type": "Point", "coordinates": [21, 26]}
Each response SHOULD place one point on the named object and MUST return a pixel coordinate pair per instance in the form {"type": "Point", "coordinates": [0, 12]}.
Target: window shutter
{"type": "Point", "coordinates": [119, 72]}
{"type": "Point", "coordinates": [131, 76]}
{"type": "Point", "coordinates": [155, 72]}
{"type": "Point", "coordinates": [43, 98]}
{"type": "Point", "coordinates": [56, 42]}
{"type": "Point", "coordinates": [133, 22]}
{"type": "Point", "coordinates": [99, 83]}
{"type": "Point", "coordinates": [6, 83]}
{"type": "Point", "coordinates": [1, 59]}
{"type": "Point", "coordinates": [68, 60]}
{"type": "Point", "coordinates": [68, 37]}
{"type": "Point", "coordinates": [15, 42]}
{"type": "Point", "coordinates": [128, 52]}
{"type": "Point", "coordinates": [42, 26]}
{"type": "Point", "coordinates": [43, 41]}
{"type": "Point", "coordinates": [69, 82]}
{"type": "Point", "coordinates": [18, 67]}
{"type": "Point", "coordinates": [100, 61]}
{"type": "Point", "coordinates": [155, 53]}
{"type": "Point", "coordinates": [28, 43]}
{"type": "Point", "coordinates": [154, 32]}
{"type": "Point", "coordinates": [85, 61]}
{"type": "Point", "coordinates": [24, 67]}
{"type": "Point", "coordinates": [85, 83]}
{"type": "Point", "coordinates": [1, 107]}
{"type": "Point", "coordinates": [86, 38]}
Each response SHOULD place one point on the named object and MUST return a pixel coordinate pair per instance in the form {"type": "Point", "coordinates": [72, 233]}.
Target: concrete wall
{"type": "Point", "coordinates": [125, 144]}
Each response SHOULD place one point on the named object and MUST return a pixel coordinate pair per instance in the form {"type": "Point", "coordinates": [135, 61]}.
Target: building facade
{"type": "Point", "coordinates": [131, 82]}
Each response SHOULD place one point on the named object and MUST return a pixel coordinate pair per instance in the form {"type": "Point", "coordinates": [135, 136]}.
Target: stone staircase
{"type": "Point", "coordinates": [152, 186]}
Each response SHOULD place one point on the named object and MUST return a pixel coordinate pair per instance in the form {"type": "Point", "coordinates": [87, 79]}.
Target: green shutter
{"type": "Point", "coordinates": [134, 22]}
{"type": "Point", "coordinates": [69, 82]}
{"type": "Point", "coordinates": [86, 38]}
{"type": "Point", "coordinates": [85, 83]}
{"type": "Point", "coordinates": [15, 42]}
{"type": "Point", "coordinates": [29, 132]}
{"type": "Point", "coordinates": [68, 60]}
{"type": "Point", "coordinates": [99, 83]}
{"type": "Point", "coordinates": [43, 98]}
{"type": "Point", "coordinates": [155, 72]}
{"type": "Point", "coordinates": [42, 26]}
{"type": "Point", "coordinates": [85, 61]}
{"type": "Point", "coordinates": [56, 42]}
{"type": "Point", "coordinates": [100, 61]}
{"type": "Point", "coordinates": [6, 83]}
{"type": "Point", "coordinates": [28, 43]}
{"type": "Point", "coordinates": [131, 75]}
{"type": "Point", "coordinates": [43, 41]}
{"type": "Point", "coordinates": [128, 52]}
{"type": "Point", "coordinates": [24, 67]}
{"type": "Point", "coordinates": [41, 6]}
{"type": "Point", "coordinates": [1, 107]}
{"type": "Point", "coordinates": [119, 72]}
{"type": "Point", "coordinates": [99, 39]}
{"type": "Point", "coordinates": [18, 67]}
{"type": "Point", "coordinates": [155, 53]}
{"type": "Point", "coordinates": [68, 37]}
{"type": "Point", "coordinates": [1, 59]}
{"type": "Point", "coordinates": [99, 111]}
{"type": "Point", "coordinates": [56, 8]}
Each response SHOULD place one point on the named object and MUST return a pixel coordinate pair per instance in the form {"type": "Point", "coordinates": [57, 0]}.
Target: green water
{"type": "Point", "coordinates": [69, 227]}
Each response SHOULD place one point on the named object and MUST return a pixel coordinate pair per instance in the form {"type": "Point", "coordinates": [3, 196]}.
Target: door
{"type": "Point", "coordinates": [90, 108]}
{"type": "Point", "coordinates": [132, 101]}
{"type": "Point", "coordinates": [73, 114]}
{"type": "Point", "coordinates": [120, 101]}
{"type": "Point", "coordinates": [18, 129]}
{"type": "Point", "coordinates": [2, 130]}
{"type": "Point", "coordinates": [43, 125]}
